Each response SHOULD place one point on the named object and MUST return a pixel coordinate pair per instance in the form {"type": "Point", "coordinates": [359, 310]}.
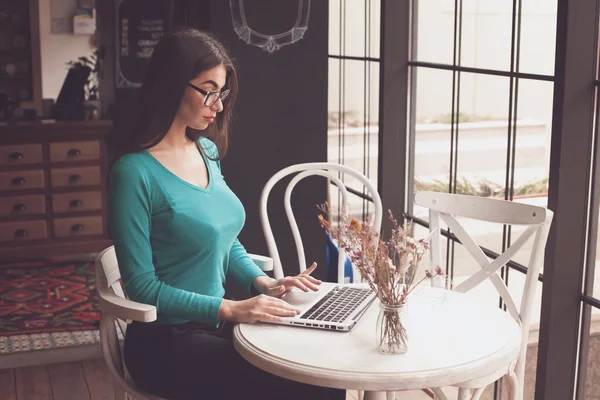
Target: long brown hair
{"type": "Point", "coordinates": [178, 58]}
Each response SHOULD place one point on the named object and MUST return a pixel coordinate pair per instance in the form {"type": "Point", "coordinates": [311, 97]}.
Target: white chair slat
{"type": "Point", "coordinates": [482, 260]}
{"type": "Point", "coordinates": [498, 263]}
{"type": "Point", "coordinates": [435, 252]}
{"type": "Point", "coordinates": [482, 209]}
{"type": "Point", "coordinates": [290, 212]}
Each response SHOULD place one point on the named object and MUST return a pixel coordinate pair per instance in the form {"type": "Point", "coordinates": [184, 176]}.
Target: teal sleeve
{"type": "Point", "coordinates": [241, 267]}
{"type": "Point", "coordinates": [129, 211]}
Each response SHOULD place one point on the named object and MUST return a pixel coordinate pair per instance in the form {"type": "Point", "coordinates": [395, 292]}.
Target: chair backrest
{"type": "Point", "coordinates": [107, 271]}
{"type": "Point", "coordinates": [108, 278]}
{"type": "Point", "coordinates": [329, 171]}
{"type": "Point", "coordinates": [446, 207]}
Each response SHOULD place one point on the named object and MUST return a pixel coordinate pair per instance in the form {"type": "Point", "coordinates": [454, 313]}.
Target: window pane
{"type": "Point", "coordinates": [433, 110]}
{"type": "Point", "coordinates": [353, 122]}
{"type": "Point", "coordinates": [592, 351]}
{"type": "Point", "coordinates": [354, 115]}
{"type": "Point", "coordinates": [375, 28]}
{"type": "Point", "coordinates": [482, 147]}
{"type": "Point", "coordinates": [360, 24]}
{"type": "Point", "coordinates": [483, 144]}
{"type": "Point", "coordinates": [538, 36]}
{"type": "Point", "coordinates": [486, 34]}
{"type": "Point", "coordinates": [532, 156]}
{"type": "Point", "coordinates": [334, 27]}
{"type": "Point", "coordinates": [434, 28]}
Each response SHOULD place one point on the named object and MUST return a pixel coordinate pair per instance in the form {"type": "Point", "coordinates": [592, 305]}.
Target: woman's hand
{"type": "Point", "coordinates": [277, 288]}
{"type": "Point", "coordinates": [267, 306]}
{"type": "Point", "coordinates": [259, 308]}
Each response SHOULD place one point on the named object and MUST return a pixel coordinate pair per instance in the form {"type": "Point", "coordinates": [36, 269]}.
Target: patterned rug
{"type": "Point", "coordinates": [45, 297]}
{"type": "Point", "coordinates": [47, 341]}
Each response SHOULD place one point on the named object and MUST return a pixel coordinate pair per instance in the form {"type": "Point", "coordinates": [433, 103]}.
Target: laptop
{"type": "Point", "coordinates": [335, 306]}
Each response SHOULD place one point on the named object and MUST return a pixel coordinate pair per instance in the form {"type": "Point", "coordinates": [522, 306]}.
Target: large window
{"type": "Point", "coordinates": [480, 124]}
{"type": "Point", "coordinates": [487, 98]}
{"type": "Point", "coordinates": [503, 102]}
{"type": "Point", "coordinates": [482, 113]}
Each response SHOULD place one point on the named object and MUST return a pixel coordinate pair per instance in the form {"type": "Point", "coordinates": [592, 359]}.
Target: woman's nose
{"type": "Point", "coordinates": [218, 106]}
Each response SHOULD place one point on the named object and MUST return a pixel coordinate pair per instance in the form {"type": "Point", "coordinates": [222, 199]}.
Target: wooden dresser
{"type": "Point", "coordinates": [52, 189]}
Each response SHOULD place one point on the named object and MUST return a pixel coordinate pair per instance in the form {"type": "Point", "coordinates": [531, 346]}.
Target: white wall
{"type": "Point", "coordinates": [56, 51]}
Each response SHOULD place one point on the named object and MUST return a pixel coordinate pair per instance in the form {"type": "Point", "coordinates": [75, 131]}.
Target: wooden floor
{"type": "Point", "coordinates": [85, 380]}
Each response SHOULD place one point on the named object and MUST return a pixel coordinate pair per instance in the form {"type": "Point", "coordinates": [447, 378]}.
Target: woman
{"type": "Point", "coordinates": [174, 224]}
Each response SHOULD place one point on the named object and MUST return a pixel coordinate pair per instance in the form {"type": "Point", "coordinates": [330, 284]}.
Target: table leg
{"type": "Point", "coordinates": [375, 395]}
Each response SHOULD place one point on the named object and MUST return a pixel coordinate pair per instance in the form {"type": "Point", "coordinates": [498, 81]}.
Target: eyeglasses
{"type": "Point", "coordinates": [211, 97]}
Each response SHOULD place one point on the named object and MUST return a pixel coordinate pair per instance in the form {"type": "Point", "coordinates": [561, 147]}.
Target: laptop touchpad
{"type": "Point", "coordinates": [300, 299]}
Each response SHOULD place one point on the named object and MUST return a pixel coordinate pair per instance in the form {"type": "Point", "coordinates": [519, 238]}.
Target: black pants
{"type": "Point", "coordinates": [193, 361]}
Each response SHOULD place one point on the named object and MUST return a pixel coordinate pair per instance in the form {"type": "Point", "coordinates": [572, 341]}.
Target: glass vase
{"type": "Point", "coordinates": [392, 337]}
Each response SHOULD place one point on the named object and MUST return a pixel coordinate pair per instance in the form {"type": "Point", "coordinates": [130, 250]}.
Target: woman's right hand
{"type": "Point", "coordinates": [259, 308]}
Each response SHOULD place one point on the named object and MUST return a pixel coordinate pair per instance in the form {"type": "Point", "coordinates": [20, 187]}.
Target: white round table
{"type": "Point", "coordinates": [452, 342]}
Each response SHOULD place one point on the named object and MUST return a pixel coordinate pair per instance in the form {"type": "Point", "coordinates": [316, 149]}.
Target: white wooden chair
{"type": "Point", "coordinates": [329, 171]}
{"type": "Point", "coordinates": [446, 207]}
{"type": "Point", "coordinates": [117, 312]}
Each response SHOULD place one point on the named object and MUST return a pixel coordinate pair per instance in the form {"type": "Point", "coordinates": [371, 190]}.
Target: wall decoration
{"type": "Point", "coordinates": [140, 26]}
{"type": "Point", "coordinates": [269, 43]}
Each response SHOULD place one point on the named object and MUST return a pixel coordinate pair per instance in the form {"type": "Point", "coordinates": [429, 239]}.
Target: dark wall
{"type": "Point", "coordinates": [280, 117]}
{"type": "Point", "coordinates": [280, 120]}
{"type": "Point", "coordinates": [118, 104]}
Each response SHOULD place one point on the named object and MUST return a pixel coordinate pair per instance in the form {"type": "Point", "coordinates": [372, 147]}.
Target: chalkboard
{"type": "Point", "coordinates": [140, 26]}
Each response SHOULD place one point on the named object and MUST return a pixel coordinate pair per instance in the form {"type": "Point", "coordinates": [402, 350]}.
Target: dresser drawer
{"type": "Point", "coordinates": [82, 226]}
{"type": "Point", "coordinates": [25, 230]}
{"type": "Point", "coordinates": [21, 154]}
{"type": "Point", "coordinates": [74, 177]}
{"type": "Point", "coordinates": [82, 201]}
{"type": "Point", "coordinates": [74, 151]}
{"type": "Point", "coordinates": [16, 180]}
{"type": "Point", "coordinates": [22, 205]}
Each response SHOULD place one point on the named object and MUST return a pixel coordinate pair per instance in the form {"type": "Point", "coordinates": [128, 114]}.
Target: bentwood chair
{"type": "Point", "coordinates": [302, 171]}
{"type": "Point", "coordinates": [117, 312]}
{"type": "Point", "coordinates": [445, 207]}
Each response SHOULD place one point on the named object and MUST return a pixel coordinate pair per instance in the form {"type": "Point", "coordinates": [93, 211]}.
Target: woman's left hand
{"type": "Point", "coordinates": [278, 288]}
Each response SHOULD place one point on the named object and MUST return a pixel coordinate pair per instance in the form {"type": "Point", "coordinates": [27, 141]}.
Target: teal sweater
{"type": "Point", "coordinates": [175, 242]}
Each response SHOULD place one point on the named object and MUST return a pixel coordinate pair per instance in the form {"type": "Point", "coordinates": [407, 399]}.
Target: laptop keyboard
{"type": "Point", "coordinates": [337, 305]}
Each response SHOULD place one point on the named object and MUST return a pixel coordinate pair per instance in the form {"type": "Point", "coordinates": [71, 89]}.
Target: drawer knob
{"type": "Point", "coordinates": [19, 207]}
{"type": "Point", "coordinates": [18, 180]}
{"type": "Point", "coordinates": [77, 228]}
{"type": "Point", "coordinates": [76, 203]}
{"type": "Point", "coordinates": [16, 156]}
{"type": "Point", "coordinates": [74, 178]}
{"type": "Point", "coordinates": [21, 233]}
{"type": "Point", "coordinates": [74, 152]}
